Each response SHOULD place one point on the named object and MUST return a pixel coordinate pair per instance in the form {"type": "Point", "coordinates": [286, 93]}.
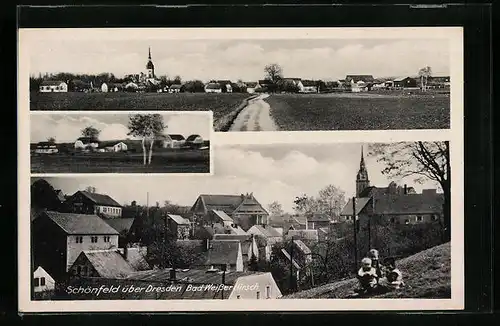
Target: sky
{"type": "Point", "coordinates": [67, 127]}
{"type": "Point", "coordinates": [277, 172]}
{"type": "Point", "coordinates": [245, 59]}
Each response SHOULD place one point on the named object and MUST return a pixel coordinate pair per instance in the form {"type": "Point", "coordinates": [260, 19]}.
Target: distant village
{"type": "Point", "coordinates": [148, 81]}
{"type": "Point", "coordinates": [223, 239]}
{"type": "Point", "coordinates": [94, 145]}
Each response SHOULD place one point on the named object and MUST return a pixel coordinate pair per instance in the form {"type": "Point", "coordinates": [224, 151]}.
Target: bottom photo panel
{"type": "Point", "coordinates": [277, 221]}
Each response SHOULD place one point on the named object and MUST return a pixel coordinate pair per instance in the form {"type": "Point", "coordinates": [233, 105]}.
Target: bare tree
{"type": "Point", "coordinates": [148, 127]}
{"type": "Point", "coordinates": [306, 204]}
{"type": "Point", "coordinates": [424, 74]}
{"type": "Point", "coordinates": [331, 200]}
{"type": "Point", "coordinates": [275, 208]}
{"type": "Point", "coordinates": [424, 161]}
{"type": "Point", "coordinates": [274, 72]}
{"type": "Point", "coordinates": [91, 132]}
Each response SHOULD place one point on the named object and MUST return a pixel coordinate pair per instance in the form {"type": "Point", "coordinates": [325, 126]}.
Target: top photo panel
{"type": "Point", "coordinates": [252, 79]}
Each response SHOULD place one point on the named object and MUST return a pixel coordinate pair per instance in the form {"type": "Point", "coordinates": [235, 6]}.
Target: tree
{"type": "Point", "coordinates": [422, 160]}
{"type": "Point", "coordinates": [177, 80]}
{"type": "Point", "coordinates": [91, 132]}
{"type": "Point", "coordinates": [90, 189]}
{"type": "Point", "coordinates": [274, 72]}
{"type": "Point", "coordinates": [306, 204]}
{"type": "Point", "coordinates": [147, 127]}
{"type": "Point", "coordinates": [51, 140]}
{"type": "Point", "coordinates": [275, 209]}
{"type": "Point", "coordinates": [424, 74]}
{"type": "Point", "coordinates": [331, 200]}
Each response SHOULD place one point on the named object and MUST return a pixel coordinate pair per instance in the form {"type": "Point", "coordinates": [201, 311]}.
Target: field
{"type": "Point", "coordinates": [360, 111]}
{"type": "Point", "coordinates": [220, 104]}
{"type": "Point", "coordinates": [172, 161]}
{"type": "Point", "coordinates": [426, 274]}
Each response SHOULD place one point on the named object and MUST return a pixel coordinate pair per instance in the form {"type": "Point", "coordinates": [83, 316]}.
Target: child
{"type": "Point", "coordinates": [394, 278]}
{"type": "Point", "coordinates": [367, 276]}
{"type": "Point", "coordinates": [373, 254]}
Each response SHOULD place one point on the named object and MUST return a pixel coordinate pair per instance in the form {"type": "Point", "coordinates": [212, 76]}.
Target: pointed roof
{"type": "Point", "coordinates": [223, 252]}
{"type": "Point", "coordinates": [80, 223]}
{"type": "Point", "coordinates": [100, 199]}
{"type": "Point", "coordinates": [109, 263]}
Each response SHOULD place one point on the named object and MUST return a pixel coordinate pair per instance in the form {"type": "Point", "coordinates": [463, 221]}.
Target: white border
{"type": "Point", "coordinates": [211, 133]}
{"type": "Point", "coordinates": [455, 135]}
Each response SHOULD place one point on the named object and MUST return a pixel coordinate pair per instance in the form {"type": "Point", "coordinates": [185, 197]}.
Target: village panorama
{"type": "Point", "coordinates": [274, 102]}
{"type": "Point", "coordinates": [388, 240]}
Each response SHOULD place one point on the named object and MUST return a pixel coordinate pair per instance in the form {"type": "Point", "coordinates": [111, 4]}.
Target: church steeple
{"type": "Point", "coordinates": [362, 181]}
{"type": "Point", "coordinates": [150, 67]}
{"type": "Point", "coordinates": [149, 57]}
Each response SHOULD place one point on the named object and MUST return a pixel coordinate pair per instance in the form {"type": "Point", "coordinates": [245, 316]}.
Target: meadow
{"type": "Point", "coordinates": [360, 111]}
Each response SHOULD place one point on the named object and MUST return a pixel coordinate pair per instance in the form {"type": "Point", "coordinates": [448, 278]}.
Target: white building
{"type": "Point", "coordinates": [55, 86]}
{"type": "Point", "coordinates": [172, 141]}
{"type": "Point", "coordinates": [104, 88]}
{"type": "Point", "coordinates": [86, 142]}
{"type": "Point", "coordinates": [42, 281]}
{"type": "Point", "coordinates": [113, 146]}
{"type": "Point", "coordinates": [213, 88]}
{"type": "Point", "coordinates": [46, 148]}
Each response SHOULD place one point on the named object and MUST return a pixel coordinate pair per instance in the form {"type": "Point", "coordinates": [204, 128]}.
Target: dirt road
{"type": "Point", "coordinates": [255, 117]}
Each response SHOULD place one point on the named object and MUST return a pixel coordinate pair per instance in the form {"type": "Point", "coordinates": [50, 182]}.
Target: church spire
{"type": "Point", "coordinates": [362, 181]}
{"type": "Point", "coordinates": [149, 57]}
{"type": "Point", "coordinates": [362, 162]}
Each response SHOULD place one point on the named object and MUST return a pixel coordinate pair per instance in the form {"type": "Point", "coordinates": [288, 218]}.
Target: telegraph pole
{"type": "Point", "coordinates": [291, 266]}
{"type": "Point", "coordinates": [223, 279]}
{"type": "Point", "coordinates": [355, 234]}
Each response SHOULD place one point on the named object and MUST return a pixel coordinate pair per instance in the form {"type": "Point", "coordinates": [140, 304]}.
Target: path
{"type": "Point", "coordinates": [255, 116]}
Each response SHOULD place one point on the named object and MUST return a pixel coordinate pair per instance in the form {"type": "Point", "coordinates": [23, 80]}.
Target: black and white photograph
{"type": "Point", "coordinates": [252, 80]}
{"type": "Point", "coordinates": [275, 221]}
{"type": "Point", "coordinates": [120, 142]}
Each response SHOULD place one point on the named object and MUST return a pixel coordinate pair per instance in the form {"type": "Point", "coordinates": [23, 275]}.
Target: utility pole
{"type": "Point", "coordinates": [223, 267]}
{"type": "Point", "coordinates": [291, 266]}
{"type": "Point", "coordinates": [355, 234]}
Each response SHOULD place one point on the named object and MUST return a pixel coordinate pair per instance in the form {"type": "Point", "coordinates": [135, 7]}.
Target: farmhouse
{"type": "Point", "coordinates": [171, 141]}
{"type": "Point", "coordinates": [359, 86]}
{"type": "Point", "coordinates": [46, 147]}
{"type": "Point", "coordinates": [125, 226]}
{"type": "Point", "coordinates": [404, 82]}
{"type": "Point", "coordinates": [178, 227]}
{"type": "Point", "coordinates": [439, 82]}
{"type": "Point", "coordinates": [356, 78]}
{"type": "Point", "coordinates": [113, 146]}
{"type": "Point", "coordinates": [176, 88]}
{"type": "Point", "coordinates": [86, 142]}
{"type": "Point", "coordinates": [55, 86]}
{"type": "Point", "coordinates": [213, 87]}
{"type": "Point", "coordinates": [58, 239]}
{"type": "Point", "coordinates": [131, 87]}
{"type": "Point", "coordinates": [84, 202]}
{"type": "Point", "coordinates": [194, 141]}
{"type": "Point", "coordinates": [250, 87]}
{"type": "Point", "coordinates": [225, 85]}
{"type": "Point", "coordinates": [42, 281]}
{"type": "Point", "coordinates": [244, 209]}
{"type": "Point", "coordinates": [307, 86]}
{"type": "Point", "coordinates": [317, 221]}
{"type": "Point", "coordinates": [267, 232]}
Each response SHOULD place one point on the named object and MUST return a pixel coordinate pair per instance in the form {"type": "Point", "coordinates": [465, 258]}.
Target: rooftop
{"type": "Point", "coordinates": [80, 223]}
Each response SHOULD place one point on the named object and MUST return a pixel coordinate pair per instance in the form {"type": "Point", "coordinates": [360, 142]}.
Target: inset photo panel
{"type": "Point", "coordinates": [120, 142]}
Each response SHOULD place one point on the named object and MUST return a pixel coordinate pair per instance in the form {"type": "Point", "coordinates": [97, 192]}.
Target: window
{"type": "Point", "coordinates": [258, 295]}
{"type": "Point", "coordinates": [79, 239]}
{"type": "Point", "coordinates": [393, 220]}
{"type": "Point", "coordinates": [420, 218]}
{"type": "Point", "coordinates": [433, 217]}
{"type": "Point", "coordinates": [93, 239]}
{"type": "Point", "coordinates": [106, 239]}
{"type": "Point", "coordinates": [84, 270]}
{"type": "Point", "coordinates": [42, 281]}
{"type": "Point", "coordinates": [78, 270]}
{"type": "Point", "coordinates": [37, 281]}
{"type": "Point", "coordinates": [268, 292]}
{"type": "Point", "coordinates": [238, 296]}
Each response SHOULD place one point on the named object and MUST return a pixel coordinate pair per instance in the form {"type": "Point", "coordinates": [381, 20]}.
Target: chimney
{"type": "Point", "coordinates": [172, 274]}
{"type": "Point", "coordinates": [405, 191]}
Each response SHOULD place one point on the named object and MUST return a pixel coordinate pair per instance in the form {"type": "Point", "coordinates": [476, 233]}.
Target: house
{"type": "Point", "coordinates": [54, 86]}
{"type": "Point", "coordinates": [219, 216]}
{"type": "Point", "coordinates": [125, 227]}
{"type": "Point", "coordinates": [359, 86]}
{"type": "Point", "coordinates": [59, 238]}
{"type": "Point", "coordinates": [244, 209]}
{"type": "Point", "coordinates": [225, 85]}
{"type": "Point", "coordinates": [113, 146]}
{"type": "Point", "coordinates": [42, 281]}
{"type": "Point", "coordinates": [268, 233]}
{"type": "Point", "coordinates": [131, 87]}
{"type": "Point", "coordinates": [250, 87]}
{"type": "Point", "coordinates": [176, 88]}
{"type": "Point", "coordinates": [194, 141]}
{"type": "Point", "coordinates": [178, 226]}
{"type": "Point", "coordinates": [404, 82]}
{"type": "Point", "coordinates": [101, 263]}
{"type": "Point", "coordinates": [84, 202]}
{"type": "Point", "coordinates": [171, 141]}
{"type": "Point", "coordinates": [86, 142]}
{"type": "Point", "coordinates": [302, 252]}
{"type": "Point", "coordinates": [104, 87]}
{"type": "Point", "coordinates": [225, 254]}
{"type": "Point", "coordinates": [317, 221]}
{"type": "Point", "coordinates": [213, 87]}
{"type": "Point", "coordinates": [438, 81]}
{"type": "Point", "coordinates": [308, 86]}
{"type": "Point", "coordinates": [307, 235]}
{"type": "Point", "coordinates": [356, 78]}
{"type": "Point", "coordinates": [46, 147]}
{"type": "Point", "coordinates": [264, 85]}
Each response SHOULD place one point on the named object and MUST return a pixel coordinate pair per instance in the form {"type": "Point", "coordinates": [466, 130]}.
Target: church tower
{"type": "Point", "coordinates": [362, 181]}
{"type": "Point", "coordinates": [150, 67]}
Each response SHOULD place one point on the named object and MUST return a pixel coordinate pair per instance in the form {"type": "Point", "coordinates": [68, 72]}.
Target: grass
{"type": "Point", "coordinates": [220, 104]}
{"type": "Point", "coordinates": [426, 274]}
{"type": "Point", "coordinates": [360, 111]}
{"type": "Point", "coordinates": [173, 161]}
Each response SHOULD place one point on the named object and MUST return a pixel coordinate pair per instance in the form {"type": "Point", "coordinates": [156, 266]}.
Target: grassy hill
{"type": "Point", "coordinates": [426, 274]}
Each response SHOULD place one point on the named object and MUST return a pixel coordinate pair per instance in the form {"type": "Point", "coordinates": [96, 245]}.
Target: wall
{"type": "Point", "coordinates": [49, 281]}
{"type": "Point", "coordinates": [74, 249]}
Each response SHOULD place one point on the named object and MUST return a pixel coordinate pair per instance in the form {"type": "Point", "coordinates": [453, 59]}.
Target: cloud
{"type": "Point", "coordinates": [189, 124]}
